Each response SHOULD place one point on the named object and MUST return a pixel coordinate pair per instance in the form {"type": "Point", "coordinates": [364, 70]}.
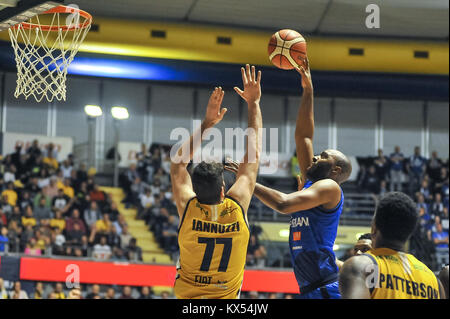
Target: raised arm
{"type": "Point", "coordinates": [242, 189]}
{"type": "Point", "coordinates": [181, 180]}
{"type": "Point", "coordinates": [304, 128]}
{"type": "Point", "coordinates": [323, 193]}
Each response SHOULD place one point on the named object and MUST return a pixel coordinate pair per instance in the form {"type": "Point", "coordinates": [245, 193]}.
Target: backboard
{"type": "Point", "coordinates": [13, 12]}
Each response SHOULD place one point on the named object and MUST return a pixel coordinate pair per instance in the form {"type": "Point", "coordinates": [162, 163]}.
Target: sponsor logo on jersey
{"type": "Point", "coordinates": [299, 222]}
{"type": "Point", "coordinates": [297, 235]}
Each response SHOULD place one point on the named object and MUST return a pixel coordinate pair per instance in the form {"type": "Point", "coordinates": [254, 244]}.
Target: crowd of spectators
{"type": "Point", "coordinates": [42, 290]}
{"type": "Point", "coordinates": [426, 180]}
{"type": "Point", "coordinates": [52, 207]}
{"type": "Point", "coordinates": [148, 188]}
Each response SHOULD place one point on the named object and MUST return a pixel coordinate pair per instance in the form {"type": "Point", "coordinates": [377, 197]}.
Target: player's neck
{"type": "Point", "coordinates": [394, 245]}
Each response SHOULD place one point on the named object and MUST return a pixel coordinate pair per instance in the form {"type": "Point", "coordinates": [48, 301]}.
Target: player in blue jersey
{"type": "Point", "coordinates": [315, 208]}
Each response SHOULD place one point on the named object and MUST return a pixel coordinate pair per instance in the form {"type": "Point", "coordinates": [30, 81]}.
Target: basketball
{"type": "Point", "coordinates": [287, 48]}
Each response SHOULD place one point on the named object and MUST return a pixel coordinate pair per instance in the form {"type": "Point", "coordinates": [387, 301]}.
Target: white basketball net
{"type": "Point", "coordinates": [42, 57]}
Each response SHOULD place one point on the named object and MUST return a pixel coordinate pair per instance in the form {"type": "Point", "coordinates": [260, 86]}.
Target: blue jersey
{"type": "Point", "coordinates": [311, 240]}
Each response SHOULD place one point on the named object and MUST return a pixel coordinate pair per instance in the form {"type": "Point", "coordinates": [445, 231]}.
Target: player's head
{"type": "Point", "coordinates": [363, 244]}
{"type": "Point", "coordinates": [329, 164]}
{"type": "Point", "coordinates": [208, 183]}
{"type": "Point", "coordinates": [394, 221]}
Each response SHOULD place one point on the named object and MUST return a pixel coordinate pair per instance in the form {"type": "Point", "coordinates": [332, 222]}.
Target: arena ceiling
{"type": "Point", "coordinates": [399, 18]}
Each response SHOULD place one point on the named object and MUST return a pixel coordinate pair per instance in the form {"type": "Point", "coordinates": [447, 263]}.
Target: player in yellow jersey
{"type": "Point", "coordinates": [213, 234]}
{"type": "Point", "coordinates": [386, 271]}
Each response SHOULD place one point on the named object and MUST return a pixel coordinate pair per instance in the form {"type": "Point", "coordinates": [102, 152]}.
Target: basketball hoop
{"type": "Point", "coordinates": [44, 51]}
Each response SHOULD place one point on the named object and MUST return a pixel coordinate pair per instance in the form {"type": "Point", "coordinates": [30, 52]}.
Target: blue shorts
{"type": "Point", "coordinates": [330, 291]}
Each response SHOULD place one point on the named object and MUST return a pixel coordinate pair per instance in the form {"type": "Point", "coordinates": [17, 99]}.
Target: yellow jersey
{"type": "Point", "coordinates": [213, 241]}
{"type": "Point", "coordinates": [401, 276]}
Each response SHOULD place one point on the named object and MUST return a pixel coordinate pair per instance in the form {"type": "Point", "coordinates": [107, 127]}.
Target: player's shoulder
{"type": "Point", "coordinates": [327, 184]}
{"type": "Point", "coordinates": [358, 264]}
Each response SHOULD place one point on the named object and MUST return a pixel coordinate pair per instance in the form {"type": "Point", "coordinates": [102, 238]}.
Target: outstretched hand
{"type": "Point", "coordinates": [214, 113]}
{"type": "Point", "coordinates": [231, 165]}
{"type": "Point", "coordinates": [252, 85]}
{"type": "Point", "coordinates": [305, 72]}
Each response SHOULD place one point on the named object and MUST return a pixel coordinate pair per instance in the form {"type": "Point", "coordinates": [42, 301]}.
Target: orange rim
{"type": "Point", "coordinates": [60, 9]}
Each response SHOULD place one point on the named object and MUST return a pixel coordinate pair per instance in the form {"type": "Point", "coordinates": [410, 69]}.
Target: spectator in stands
{"type": "Point", "coordinates": [51, 190]}
{"type": "Point", "coordinates": [58, 242]}
{"type": "Point", "coordinates": [156, 186]}
{"type": "Point", "coordinates": [132, 251]}
{"type": "Point", "coordinates": [34, 150]}
{"type": "Point", "coordinates": [32, 187]}
{"type": "Point", "coordinates": [146, 201]}
{"type": "Point", "coordinates": [75, 219]}
{"type": "Point", "coordinates": [38, 197]}
{"type": "Point", "coordinates": [6, 208]}
{"type": "Point", "coordinates": [74, 293]}
{"type": "Point", "coordinates": [396, 172]}
{"type": "Point", "coordinates": [95, 292]}
{"type": "Point", "coordinates": [17, 292]}
{"type": "Point", "coordinates": [3, 292]}
{"type": "Point", "coordinates": [170, 235]}
{"type": "Point", "coordinates": [29, 219]}
{"type": "Point", "coordinates": [67, 188]}
{"type": "Point", "coordinates": [424, 219]}
{"type": "Point", "coordinates": [39, 291]}
{"type": "Point", "coordinates": [32, 248]}
{"type": "Point", "coordinates": [440, 239]}
{"type": "Point", "coordinates": [426, 191]}
{"type": "Point", "coordinates": [166, 163]}
{"type": "Point", "coordinates": [113, 212]}
{"type": "Point", "coordinates": [91, 215]}
{"type": "Point", "coordinates": [3, 219]}
{"type": "Point", "coordinates": [126, 293]}
{"type": "Point", "coordinates": [42, 211]}
{"type": "Point", "coordinates": [125, 237]}
{"type": "Point", "coordinates": [114, 238]}
{"type": "Point", "coordinates": [371, 182]}
{"type": "Point", "coordinates": [14, 233]}
{"type": "Point", "coordinates": [162, 177]}
{"type": "Point", "coordinates": [102, 251]}
{"type": "Point", "coordinates": [256, 252]}
{"type": "Point", "coordinates": [420, 201]}
{"type": "Point", "coordinates": [25, 200]}
{"type": "Point", "coordinates": [146, 293]}
{"type": "Point", "coordinates": [383, 188]}
{"type": "Point", "coordinates": [416, 168]}
{"type": "Point", "coordinates": [110, 293]}
{"type": "Point", "coordinates": [59, 293]}
{"type": "Point", "coordinates": [444, 219]}
{"type": "Point", "coordinates": [437, 206]}
{"type": "Point", "coordinates": [4, 240]}
{"type": "Point", "coordinates": [434, 166]}
{"type": "Point", "coordinates": [51, 155]}
{"type": "Point", "coordinates": [10, 174]}
{"type": "Point", "coordinates": [144, 163]}
{"type": "Point", "coordinates": [165, 295]}
{"type": "Point", "coordinates": [96, 194]}
{"type": "Point", "coordinates": [60, 201]}
{"type": "Point", "coordinates": [66, 169]}
{"type": "Point", "coordinates": [441, 184]}
{"type": "Point", "coordinates": [120, 223]}
{"type": "Point", "coordinates": [58, 221]}
{"type": "Point", "coordinates": [10, 193]}
{"type": "Point", "coordinates": [103, 226]}
{"type": "Point", "coordinates": [118, 254]}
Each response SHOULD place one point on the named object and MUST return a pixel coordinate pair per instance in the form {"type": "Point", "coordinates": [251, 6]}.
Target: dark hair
{"type": "Point", "coordinates": [365, 236]}
{"type": "Point", "coordinates": [396, 216]}
{"type": "Point", "coordinates": [207, 181]}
